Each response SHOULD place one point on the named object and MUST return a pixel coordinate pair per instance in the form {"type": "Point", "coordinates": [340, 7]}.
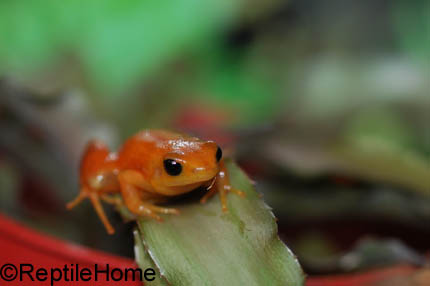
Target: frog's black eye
{"type": "Point", "coordinates": [218, 154]}
{"type": "Point", "coordinates": [172, 167]}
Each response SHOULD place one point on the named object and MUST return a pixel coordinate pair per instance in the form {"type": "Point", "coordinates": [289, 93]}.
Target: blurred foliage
{"type": "Point", "coordinates": [111, 47]}
{"type": "Point", "coordinates": [117, 42]}
{"type": "Point", "coordinates": [318, 252]}
{"type": "Point", "coordinates": [412, 23]}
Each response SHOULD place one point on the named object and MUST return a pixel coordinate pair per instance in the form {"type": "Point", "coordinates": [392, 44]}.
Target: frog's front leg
{"type": "Point", "coordinates": [223, 186]}
{"type": "Point", "coordinates": [131, 184]}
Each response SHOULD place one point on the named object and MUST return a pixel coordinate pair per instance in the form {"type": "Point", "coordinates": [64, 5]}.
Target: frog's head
{"type": "Point", "coordinates": [185, 165]}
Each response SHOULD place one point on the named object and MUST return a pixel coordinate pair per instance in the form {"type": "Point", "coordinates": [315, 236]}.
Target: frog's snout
{"type": "Point", "coordinates": [199, 170]}
{"type": "Point", "coordinates": [204, 173]}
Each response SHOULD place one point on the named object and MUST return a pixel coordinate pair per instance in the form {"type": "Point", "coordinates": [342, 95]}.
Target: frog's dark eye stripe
{"type": "Point", "coordinates": [218, 154]}
{"type": "Point", "coordinates": [172, 167]}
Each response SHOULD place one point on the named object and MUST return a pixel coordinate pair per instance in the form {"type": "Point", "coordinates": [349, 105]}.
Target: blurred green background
{"type": "Point", "coordinates": [324, 103]}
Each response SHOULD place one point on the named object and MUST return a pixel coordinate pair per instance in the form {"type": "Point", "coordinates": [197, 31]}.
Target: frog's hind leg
{"type": "Point", "coordinates": [94, 198]}
{"type": "Point", "coordinates": [96, 178]}
{"type": "Point", "coordinates": [82, 196]}
{"type": "Point", "coordinates": [95, 201]}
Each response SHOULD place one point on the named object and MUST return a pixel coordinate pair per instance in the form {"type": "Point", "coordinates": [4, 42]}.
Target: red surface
{"type": "Point", "coordinates": [19, 244]}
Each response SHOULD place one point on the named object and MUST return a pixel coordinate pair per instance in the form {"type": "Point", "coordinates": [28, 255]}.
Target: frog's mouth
{"type": "Point", "coordinates": [184, 188]}
{"type": "Point", "coordinates": [197, 176]}
{"type": "Point", "coordinates": [195, 181]}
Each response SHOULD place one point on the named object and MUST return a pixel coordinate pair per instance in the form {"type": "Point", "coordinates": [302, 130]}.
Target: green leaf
{"type": "Point", "coordinates": [204, 246]}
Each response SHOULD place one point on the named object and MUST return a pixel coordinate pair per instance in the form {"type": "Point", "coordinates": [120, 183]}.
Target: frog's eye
{"type": "Point", "coordinates": [172, 167]}
{"type": "Point", "coordinates": [218, 154]}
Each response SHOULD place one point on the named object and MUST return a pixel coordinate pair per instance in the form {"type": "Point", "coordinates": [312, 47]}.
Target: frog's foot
{"type": "Point", "coordinates": [163, 210]}
{"type": "Point", "coordinates": [238, 192]}
{"type": "Point", "coordinates": [223, 191]}
{"type": "Point", "coordinates": [152, 211]}
{"type": "Point", "coordinates": [94, 198]}
{"type": "Point", "coordinates": [221, 185]}
{"type": "Point", "coordinates": [82, 196]}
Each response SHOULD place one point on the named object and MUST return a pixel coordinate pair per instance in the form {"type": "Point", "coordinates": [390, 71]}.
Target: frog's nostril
{"type": "Point", "coordinates": [199, 169]}
{"type": "Point", "coordinates": [218, 154]}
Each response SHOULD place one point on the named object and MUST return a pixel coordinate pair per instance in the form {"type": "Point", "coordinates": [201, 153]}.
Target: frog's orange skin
{"type": "Point", "coordinates": [137, 171]}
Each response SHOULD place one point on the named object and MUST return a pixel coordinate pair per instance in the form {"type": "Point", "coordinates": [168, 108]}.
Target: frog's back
{"type": "Point", "coordinates": [139, 151]}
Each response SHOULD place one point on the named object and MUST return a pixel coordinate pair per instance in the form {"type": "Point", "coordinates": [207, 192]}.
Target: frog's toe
{"type": "Point", "coordinates": [168, 211]}
{"type": "Point", "coordinates": [238, 192]}
{"type": "Point", "coordinates": [163, 210]}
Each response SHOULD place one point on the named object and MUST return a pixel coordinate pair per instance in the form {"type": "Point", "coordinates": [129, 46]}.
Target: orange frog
{"type": "Point", "coordinates": [151, 166]}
